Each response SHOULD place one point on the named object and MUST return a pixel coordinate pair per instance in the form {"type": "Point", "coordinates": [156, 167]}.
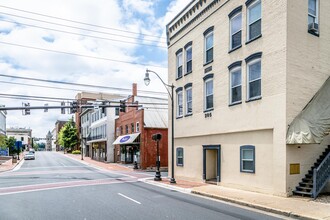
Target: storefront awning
{"type": "Point", "coordinates": [127, 139]}
{"type": "Point", "coordinates": [313, 122]}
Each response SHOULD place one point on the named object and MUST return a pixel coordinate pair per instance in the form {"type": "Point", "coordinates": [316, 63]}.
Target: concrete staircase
{"type": "Point", "coordinates": [307, 186]}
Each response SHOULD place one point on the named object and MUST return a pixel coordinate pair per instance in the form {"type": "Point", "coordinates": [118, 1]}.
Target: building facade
{"type": "Point", "coordinates": [134, 130]}
{"type": "Point", "coordinates": [243, 71]}
{"type": "Point", "coordinates": [3, 123]}
{"type": "Point", "coordinates": [21, 134]}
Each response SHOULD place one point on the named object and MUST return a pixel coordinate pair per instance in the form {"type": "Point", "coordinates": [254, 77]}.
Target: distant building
{"type": "Point", "coordinates": [54, 138]}
{"type": "Point", "coordinates": [134, 130]}
{"type": "Point", "coordinates": [49, 137]}
{"type": "Point", "coordinates": [21, 134]}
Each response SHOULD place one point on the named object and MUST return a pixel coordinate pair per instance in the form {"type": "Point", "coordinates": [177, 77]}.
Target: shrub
{"type": "Point", "coordinates": [76, 152]}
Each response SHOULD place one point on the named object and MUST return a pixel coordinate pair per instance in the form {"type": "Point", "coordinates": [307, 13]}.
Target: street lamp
{"type": "Point", "coordinates": [158, 176]}
{"type": "Point", "coordinates": [147, 82]}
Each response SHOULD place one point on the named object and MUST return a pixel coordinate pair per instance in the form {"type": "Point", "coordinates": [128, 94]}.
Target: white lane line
{"type": "Point", "coordinates": [129, 198]}
{"type": "Point", "coordinates": [19, 165]}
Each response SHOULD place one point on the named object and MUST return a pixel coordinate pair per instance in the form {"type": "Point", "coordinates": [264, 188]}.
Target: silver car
{"type": "Point", "coordinates": [29, 156]}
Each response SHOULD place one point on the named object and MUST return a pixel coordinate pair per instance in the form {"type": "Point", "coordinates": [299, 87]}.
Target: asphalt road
{"type": "Point", "coordinates": [57, 187]}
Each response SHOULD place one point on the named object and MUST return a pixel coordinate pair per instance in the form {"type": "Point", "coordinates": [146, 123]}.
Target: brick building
{"type": "Point", "coordinates": [134, 130]}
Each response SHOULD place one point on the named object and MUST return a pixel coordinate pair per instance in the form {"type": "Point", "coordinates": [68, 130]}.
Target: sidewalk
{"type": "Point", "coordinates": [303, 208]}
{"type": "Point", "coordinates": [7, 166]}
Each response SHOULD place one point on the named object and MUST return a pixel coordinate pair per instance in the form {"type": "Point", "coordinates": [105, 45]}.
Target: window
{"type": "Point", "coordinates": [179, 156]}
{"type": "Point", "coordinates": [208, 92]}
{"type": "Point", "coordinates": [126, 129]}
{"type": "Point", "coordinates": [22, 138]}
{"type": "Point", "coordinates": [179, 111]}
{"type": "Point", "coordinates": [116, 111]}
{"type": "Point", "coordinates": [121, 130]}
{"type": "Point", "coordinates": [254, 79]}
{"type": "Point", "coordinates": [247, 159]}
{"type": "Point", "coordinates": [253, 19]}
{"type": "Point", "coordinates": [208, 35]}
{"type": "Point", "coordinates": [188, 49]}
{"type": "Point", "coordinates": [188, 100]}
{"type": "Point", "coordinates": [179, 64]}
{"type": "Point", "coordinates": [132, 128]}
{"type": "Point", "coordinates": [235, 85]}
{"type": "Point", "coordinates": [137, 126]}
{"type": "Point", "coordinates": [313, 11]}
{"type": "Point", "coordinates": [236, 30]}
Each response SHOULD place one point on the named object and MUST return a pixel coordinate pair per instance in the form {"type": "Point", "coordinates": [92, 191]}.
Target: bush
{"type": "Point", "coordinates": [76, 152]}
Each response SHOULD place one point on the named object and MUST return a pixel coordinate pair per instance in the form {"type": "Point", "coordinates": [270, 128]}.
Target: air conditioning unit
{"type": "Point", "coordinates": [313, 27]}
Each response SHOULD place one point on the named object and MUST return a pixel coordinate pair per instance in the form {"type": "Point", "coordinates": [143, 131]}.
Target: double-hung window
{"type": "Point", "coordinates": [179, 156]}
{"type": "Point", "coordinates": [137, 126]}
{"type": "Point", "coordinates": [235, 28]}
{"type": "Point", "coordinates": [313, 11]}
{"type": "Point", "coordinates": [208, 45]}
{"type": "Point", "coordinates": [208, 92]}
{"type": "Point", "coordinates": [188, 89]}
{"type": "Point", "coordinates": [254, 20]}
{"type": "Point", "coordinates": [179, 63]}
{"type": "Point", "coordinates": [247, 159]}
{"type": "Point", "coordinates": [235, 85]}
{"type": "Point", "coordinates": [132, 127]}
{"type": "Point", "coordinates": [188, 59]}
{"type": "Point", "coordinates": [179, 112]}
{"type": "Point", "coordinates": [253, 76]}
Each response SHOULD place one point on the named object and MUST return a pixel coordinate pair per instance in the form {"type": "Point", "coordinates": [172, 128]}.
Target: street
{"type": "Point", "coordinates": [57, 187]}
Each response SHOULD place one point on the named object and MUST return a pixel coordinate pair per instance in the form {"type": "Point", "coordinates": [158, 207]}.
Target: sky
{"type": "Point", "coordinates": [100, 42]}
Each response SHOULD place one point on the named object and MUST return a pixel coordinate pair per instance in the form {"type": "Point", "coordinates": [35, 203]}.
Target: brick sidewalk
{"type": "Point", "coordinates": [8, 165]}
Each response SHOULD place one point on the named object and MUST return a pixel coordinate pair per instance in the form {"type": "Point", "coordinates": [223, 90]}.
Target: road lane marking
{"type": "Point", "coordinates": [19, 165]}
{"type": "Point", "coordinates": [129, 198]}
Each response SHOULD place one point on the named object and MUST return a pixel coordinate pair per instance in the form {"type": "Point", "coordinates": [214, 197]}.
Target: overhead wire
{"type": "Point", "coordinates": [79, 22]}
{"type": "Point", "coordinates": [80, 55]}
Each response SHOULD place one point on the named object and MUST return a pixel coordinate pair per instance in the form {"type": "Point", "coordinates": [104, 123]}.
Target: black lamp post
{"type": "Point", "coordinates": [147, 82]}
{"type": "Point", "coordinates": [157, 137]}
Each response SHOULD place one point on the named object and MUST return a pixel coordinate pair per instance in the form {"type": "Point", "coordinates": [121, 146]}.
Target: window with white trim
{"type": "Point", "coordinates": [208, 88]}
{"type": "Point", "coordinates": [254, 79]}
{"type": "Point", "coordinates": [179, 111]}
{"type": "Point", "coordinates": [313, 17]}
{"type": "Point", "coordinates": [209, 47]}
{"type": "Point", "coordinates": [247, 159]}
{"type": "Point", "coordinates": [235, 85]}
{"type": "Point", "coordinates": [236, 31]}
{"type": "Point", "coordinates": [254, 20]}
{"type": "Point", "coordinates": [179, 156]}
{"type": "Point", "coordinates": [189, 59]}
{"type": "Point", "coordinates": [179, 65]}
{"type": "Point", "coordinates": [189, 100]}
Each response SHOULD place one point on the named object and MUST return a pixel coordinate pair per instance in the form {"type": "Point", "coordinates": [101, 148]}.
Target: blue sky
{"type": "Point", "coordinates": [25, 24]}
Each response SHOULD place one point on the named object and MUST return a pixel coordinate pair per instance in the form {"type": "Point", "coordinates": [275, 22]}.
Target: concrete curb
{"type": "Point", "coordinates": [150, 181]}
{"type": "Point", "coordinates": [255, 206]}
{"type": "Point", "coordinates": [13, 167]}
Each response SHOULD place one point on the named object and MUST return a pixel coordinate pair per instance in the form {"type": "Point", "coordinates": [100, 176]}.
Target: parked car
{"type": "Point", "coordinates": [29, 156]}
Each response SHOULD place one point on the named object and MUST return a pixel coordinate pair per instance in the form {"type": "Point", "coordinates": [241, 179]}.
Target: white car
{"type": "Point", "coordinates": [29, 156]}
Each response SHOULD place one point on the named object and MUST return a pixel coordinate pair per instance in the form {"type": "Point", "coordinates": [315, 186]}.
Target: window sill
{"type": "Point", "coordinates": [187, 115]}
{"type": "Point", "coordinates": [205, 64]}
{"type": "Point", "coordinates": [178, 117]}
{"type": "Point", "coordinates": [179, 165]}
{"type": "Point", "coordinates": [208, 110]}
{"type": "Point", "coordinates": [253, 39]}
{"type": "Point", "coordinates": [246, 171]}
{"type": "Point", "coordinates": [235, 103]}
{"type": "Point", "coordinates": [313, 33]}
{"type": "Point", "coordinates": [178, 78]}
{"type": "Point", "coordinates": [253, 99]}
{"type": "Point", "coordinates": [236, 48]}
{"type": "Point", "coordinates": [187, 73]}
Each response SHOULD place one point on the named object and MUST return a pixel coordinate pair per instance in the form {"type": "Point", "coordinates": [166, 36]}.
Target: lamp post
{"type": "Point", "coordinates": [147, 82]}
{"type": "Point", "coordinates": [158, 176]}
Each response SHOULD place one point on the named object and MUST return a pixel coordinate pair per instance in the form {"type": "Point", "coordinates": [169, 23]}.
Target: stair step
{"type": "Point", "coordinates": [297, 192]}
{"type": "Point", "coordinates": [306, 184]}
{"type": "Point", "coordinates": [316, 165]}
{"type": "Point", "coordinates": [309, 175]}
{"type": "Point", "coordinates": [310, 172]}
{"type": "Point", "coordinates": [304, 189]}
{"type": "Point", "coordinates": [307, 180]}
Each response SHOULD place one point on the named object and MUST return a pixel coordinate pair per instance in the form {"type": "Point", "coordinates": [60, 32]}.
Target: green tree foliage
{"type": "Point", "coordinates": [10, 143]}
{"type": "Point", "coordinates": [3, 142]}
{"type": "Point", "coordinates": [68, 136]}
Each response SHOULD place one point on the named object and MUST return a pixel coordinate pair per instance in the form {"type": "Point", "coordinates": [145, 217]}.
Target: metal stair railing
{"type": "Point", "coordinates": [321, 175]}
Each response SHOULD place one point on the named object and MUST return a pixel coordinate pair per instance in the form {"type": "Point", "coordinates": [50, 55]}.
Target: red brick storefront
{"type": "Point", "coordinates": [143, 149]}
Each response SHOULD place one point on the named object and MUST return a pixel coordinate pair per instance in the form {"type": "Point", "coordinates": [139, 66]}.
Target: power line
{"type": "Point", "coordinates": [80, 55]}
{"type": "Point", "coordinates": [78, 84]}
{"type": "Point", "coordinates": [86, 35]}
{"type": "Point", "coordinates": [40, 97]}
{"type": "Point", "coordinates": [79, 22]}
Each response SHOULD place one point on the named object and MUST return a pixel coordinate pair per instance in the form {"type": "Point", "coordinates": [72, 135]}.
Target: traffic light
{"type": "Point", "coordinates": [74, 107]}
{"type": "Point", "coordinates": [46, 109]}
{"type": "Point", "coordinates": [62, 109]}
{"type": "Point", "coordinates": [122, 107]}
{"type": "Point", "coordinates": [27, 110]}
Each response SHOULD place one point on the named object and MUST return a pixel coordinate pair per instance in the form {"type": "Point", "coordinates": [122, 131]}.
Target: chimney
{"type": "Point", "coordinates": [134, 89]}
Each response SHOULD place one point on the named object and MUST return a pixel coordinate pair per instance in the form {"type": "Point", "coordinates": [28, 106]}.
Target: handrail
{"type": "Point", "coordinates": [321, 174]}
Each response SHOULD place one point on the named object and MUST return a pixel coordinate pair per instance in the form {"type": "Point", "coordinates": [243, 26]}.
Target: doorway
{"type": "Point", "coordinates": [212, 163]}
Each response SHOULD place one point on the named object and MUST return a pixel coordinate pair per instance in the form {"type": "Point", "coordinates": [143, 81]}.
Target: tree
{"type": "Point", "coordinates": [68, 136]}
{"type": "Point", "coordinates": [10, 143]}
{"type": "Point", "coordinates": [3, 142]}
